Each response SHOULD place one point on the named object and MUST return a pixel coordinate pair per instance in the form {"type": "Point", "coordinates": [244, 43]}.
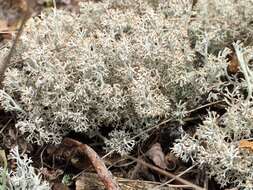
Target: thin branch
{"type": "Point", "coordinates": [156, 127]}
{"type": "Point", "coordinates": [204, 106]}
{"type": "Point", "coordinates": [179, 175]}
{"type": "Point", "coordinates": [7, 60]}
{"type": "Point", "coordinates": [104, 174]}
{"type": "Point", "coordinates": [165, 173]}
{"type": "Point", "coordinates": [245, 69]}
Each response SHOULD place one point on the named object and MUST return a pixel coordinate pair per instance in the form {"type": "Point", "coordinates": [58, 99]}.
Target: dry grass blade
{"type": "Point", "coordinates": [168, 174]}
{"type": "Point", "coordinates": [179, 175]}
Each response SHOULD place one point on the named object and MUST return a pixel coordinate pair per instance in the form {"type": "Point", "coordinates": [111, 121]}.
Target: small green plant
{"type": "Point", "coordinates": [67, 179]}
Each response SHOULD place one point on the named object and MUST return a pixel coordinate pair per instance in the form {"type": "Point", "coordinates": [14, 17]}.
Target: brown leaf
{"type": "Point", "coordinates": [156, 154]}
{"type": "Point", "coordinates": [142, 171]}
{"type": "Point", "coordinates": [72, 5]}
{"type": "Point", "coordinates": [80, 183]}
{"type": "Point", "coordinates": [51, 174]}
{"type": "Point", "coordinates": [245, 144]}
{"type": "Point", "coordinates": [60, 186]}
{"type": "Point", "coordinates": [3, 25]}
{"type": "Point", "coordinates": [233, 66]}
{"type": "Point", "coordinates": [172, 161]}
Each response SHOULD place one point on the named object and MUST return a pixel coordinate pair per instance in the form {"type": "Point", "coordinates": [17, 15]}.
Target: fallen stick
{"type": "Point", "coordinates": [165, 173]}
{"type": "Point", "coordinates": [6, 62]}
{"type": "Point", "coordinates": [104, 174]}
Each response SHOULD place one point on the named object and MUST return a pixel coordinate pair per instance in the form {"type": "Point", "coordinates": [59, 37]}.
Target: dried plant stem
{"type": "Point", "coordinates": [248, 74]}
{"type": "Point", "coordinates": [179, 175]}
{"type": "Point", "coordinates": [7, 60]}
{"type": "Point", "coordinates": [205, 105]}
{"type": "Point", "coordinates": [104, 174]}
{"type": "Point", "coordinates": [163, 172]}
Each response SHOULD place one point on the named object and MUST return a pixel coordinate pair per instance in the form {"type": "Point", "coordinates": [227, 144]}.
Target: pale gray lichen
{"type": "Point", "coordinates": [24, 177]}
{"type": "Point", "coordinates": [215, 145]}
{"type": "Point", "coordinates": [104, 67]}
{"type": "Point", "coordinates": [129, 64]}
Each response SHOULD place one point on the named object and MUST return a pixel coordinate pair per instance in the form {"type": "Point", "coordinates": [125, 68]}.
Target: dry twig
{"type": "Point", "coordinates": [103, 173]}
{"type": "Point", "coordinates": [163, 172]}
{"type": "Point", "coordinates": [27, 12]}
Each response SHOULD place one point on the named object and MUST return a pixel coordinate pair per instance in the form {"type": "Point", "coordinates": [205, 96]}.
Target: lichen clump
{"type": "Point", "coordinates": [130, 64]}
{"type": "Point", "coordinates": [115, 64]}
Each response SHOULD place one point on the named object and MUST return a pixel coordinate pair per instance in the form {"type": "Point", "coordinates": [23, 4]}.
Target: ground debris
{"type": "Point", "coordinates": [91, 181]}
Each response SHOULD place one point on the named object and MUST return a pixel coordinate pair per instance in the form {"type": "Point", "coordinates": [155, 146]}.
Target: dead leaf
{"type": "Point", "coordinates": [60, 186]}
{"type": "Point", "coordinates": [3, 25]}
{"type": "Point", "coordinates": [3, 159]}
{"type": "Point", "coordinates": [142, 171]}
{"type": "Point", "coordinates": [156, 154]}
{"type": "Point", "coordinates": [80, 183]}
{"type": "Point", "coordinates": [172, 161]}
{"type": "Point", "coordinates": [245, 144]}
{"type": "Point", "coordinates": [51, 174]}
{"type": "Point", "coordinates": [71, 5]}
{"type": "Point", "coordinates": [233, 65]}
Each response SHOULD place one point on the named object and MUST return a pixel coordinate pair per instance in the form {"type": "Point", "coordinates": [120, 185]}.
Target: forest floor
{"type": "Point", "coordinates": [81, 163]}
